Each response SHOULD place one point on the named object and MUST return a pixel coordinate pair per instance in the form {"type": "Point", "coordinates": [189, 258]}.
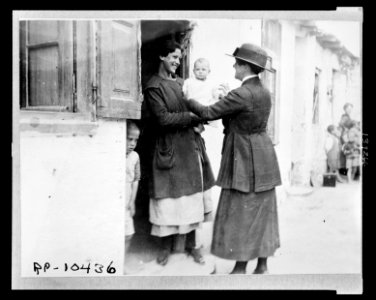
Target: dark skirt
{"type": "Point", "coordinates": [246, 225]}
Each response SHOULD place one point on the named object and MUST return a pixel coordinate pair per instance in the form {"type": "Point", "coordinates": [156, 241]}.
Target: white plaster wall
{"type": "Point", "coordinates": [326, 61]}
{"type": "Point", "coordinates": [339, 96]}
{"type": "Point", "coordinates": [286, 88]}
{"type": "Point", "coordinates": [354, 92]}
{"type": "Point", "coordinates": [214, 38]}
{"type": "Point", "coordinates": [302, 109]}
{"type": "Point", "coordinates": [348, 88]}
{"type": "Point", "coordinates": [72, 199]}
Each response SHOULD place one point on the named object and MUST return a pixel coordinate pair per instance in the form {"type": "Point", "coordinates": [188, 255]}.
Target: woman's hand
{"type": "Point", "coordinates": [194, 116]}
{"type": "Point", "coordinates": [195, 119]}
{"type": "Point", "coordinates": [223, 90]}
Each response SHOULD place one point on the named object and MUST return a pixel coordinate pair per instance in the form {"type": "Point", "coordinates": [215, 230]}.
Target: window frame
{"type": "Point", "coordinates": [316, 98]}
{"type": "Point", "coordinates": [271, 82]}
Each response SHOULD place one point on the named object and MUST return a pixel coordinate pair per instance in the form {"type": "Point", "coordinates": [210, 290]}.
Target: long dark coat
{"type": "Point", "coordinates": [249, 162]}
{"type": "Point", "coordinates": [174, 147]}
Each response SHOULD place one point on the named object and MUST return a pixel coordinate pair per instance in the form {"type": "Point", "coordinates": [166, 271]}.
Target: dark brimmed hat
{"type": "Point", "coordinates": [252, 54]}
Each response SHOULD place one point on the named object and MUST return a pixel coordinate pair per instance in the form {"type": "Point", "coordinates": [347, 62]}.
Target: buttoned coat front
{"type": "Point", "coordinates": [249, 162]}
{"type": "Point", "coordinates": [174, 164]}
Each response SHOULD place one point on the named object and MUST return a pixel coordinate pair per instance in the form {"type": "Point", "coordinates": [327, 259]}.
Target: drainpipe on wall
{"type": "Point", "coordinates": [94, 86]}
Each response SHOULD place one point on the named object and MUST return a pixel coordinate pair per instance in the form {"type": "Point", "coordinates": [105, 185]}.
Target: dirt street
{"type": "Point", "coordinates": [320, 233]}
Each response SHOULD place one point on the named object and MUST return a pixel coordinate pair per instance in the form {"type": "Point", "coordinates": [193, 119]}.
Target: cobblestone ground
{"type": "Point", "coordinates": [320, 234]}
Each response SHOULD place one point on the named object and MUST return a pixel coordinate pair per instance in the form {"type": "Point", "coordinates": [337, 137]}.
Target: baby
{"type": "Point", "coordinates": [133, 175]}
{"type": "Point", "coordinates": [201, 88]}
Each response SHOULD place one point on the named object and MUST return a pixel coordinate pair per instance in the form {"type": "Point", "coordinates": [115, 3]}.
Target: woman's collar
{"type": "Point", "coordinates": [167, 78]}
{"type": "Point", "coordinates": [249, 77]}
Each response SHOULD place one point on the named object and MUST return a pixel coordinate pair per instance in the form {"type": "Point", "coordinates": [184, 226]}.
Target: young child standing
{"type": "Point", "coordinates": [133, 175]}
{"type": "Point", "coordinates": [332, 150]}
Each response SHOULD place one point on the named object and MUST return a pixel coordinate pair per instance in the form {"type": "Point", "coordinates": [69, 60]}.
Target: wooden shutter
{"type": "Point", "coordinates": [118, 85]}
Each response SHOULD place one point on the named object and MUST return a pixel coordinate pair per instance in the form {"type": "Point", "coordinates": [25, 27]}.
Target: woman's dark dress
{"type": "Point", "coordinates": [246, 222]}
{"type": "Point", "coordinates": [179, 169]}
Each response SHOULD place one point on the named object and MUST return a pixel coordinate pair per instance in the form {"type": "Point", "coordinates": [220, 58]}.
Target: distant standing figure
{"type": "Point", "coordinates": [333, 150]}
{"type": "Point", "coordinates": [346, 116]}
{"type": "Point", "coordinates": [246, 222]}
{"type": "Point", "coordinates": [344, 127]}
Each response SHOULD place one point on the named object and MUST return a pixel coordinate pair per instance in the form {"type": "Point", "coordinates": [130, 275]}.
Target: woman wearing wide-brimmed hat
{"type": "Point", "coordinates": [246, 222]}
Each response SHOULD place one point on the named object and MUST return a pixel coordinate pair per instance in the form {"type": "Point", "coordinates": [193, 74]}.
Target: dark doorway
{"type": "Point", "coordinates": [151, 32]}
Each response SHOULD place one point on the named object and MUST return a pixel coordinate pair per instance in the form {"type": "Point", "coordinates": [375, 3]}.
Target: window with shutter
{"type": "Point", "coordinates": [46, 65]}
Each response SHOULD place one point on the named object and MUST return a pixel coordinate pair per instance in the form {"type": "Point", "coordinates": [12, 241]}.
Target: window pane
{"type": "Point", "coordinates": [43, 76]}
